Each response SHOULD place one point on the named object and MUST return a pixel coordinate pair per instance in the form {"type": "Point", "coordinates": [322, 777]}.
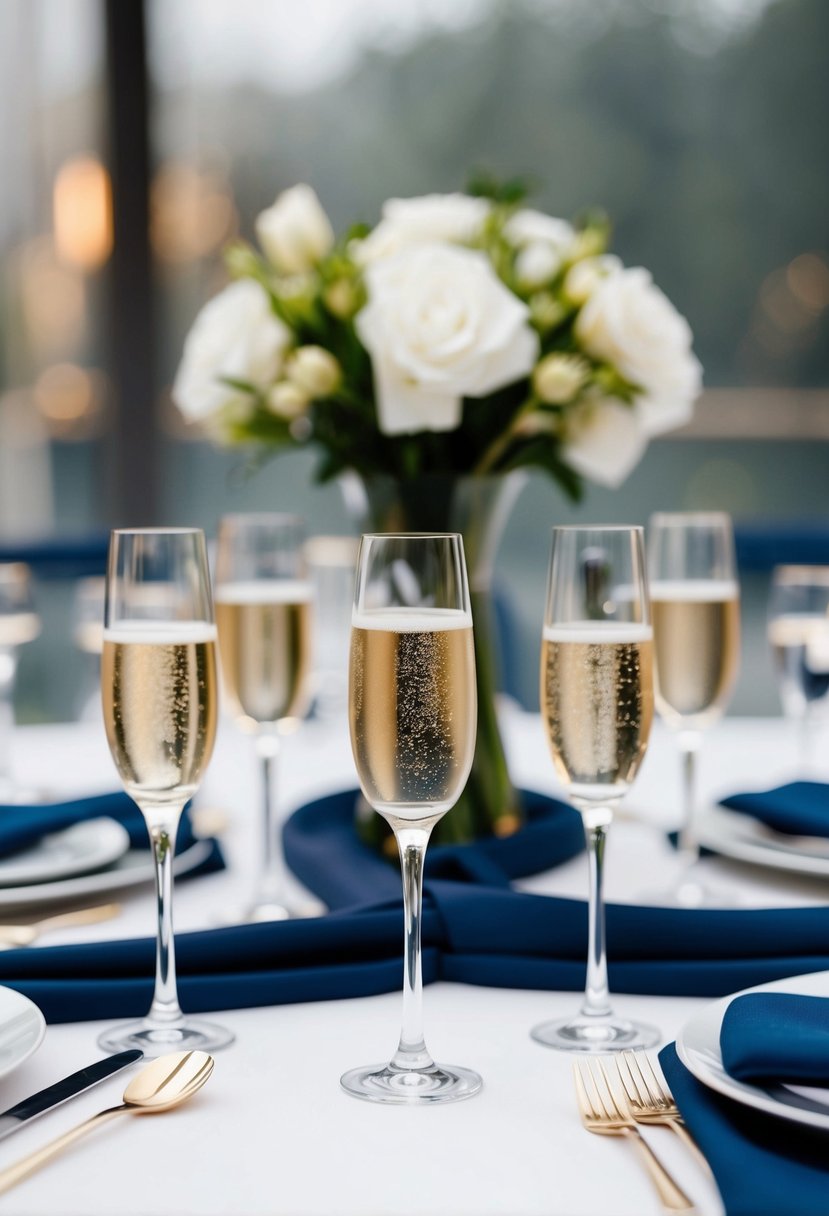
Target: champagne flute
{"type": "Point", "coordinates": [88, 634]}
{"type": "Point", "coordinates": [798, 632]}
{"type": "Point", "coordinates": [695, 599]}
{"type": "Point", "coordinates": [412, 715]}
{"type": "Point", "coordinates": [19, 624]}
{"type": "Point", "coordinates": [160, 701]}
{"type": "Point", "coordinates": [263, 612]}
{"type": "Point", "coordinates": [597, 709]}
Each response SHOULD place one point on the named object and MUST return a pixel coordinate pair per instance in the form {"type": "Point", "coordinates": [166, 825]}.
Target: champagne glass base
{"type": "Point", "coordinates": [187, 1035]}
{"type": "Point", "coordinates": [584, 1033]}
{"type": "Point", "coordinates": [268, 911]}
{"type": "Point", "coordinates": [691, 890]}
{"type": "Point", "coordinates": [411, 1087]}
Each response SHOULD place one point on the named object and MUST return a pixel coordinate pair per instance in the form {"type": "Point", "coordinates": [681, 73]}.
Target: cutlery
{"type": "Point", "coordinates": [601, 1113]}
{"type": "Point", "coordinates": [61, 1091]}
{"type": "Point", "coordinates": [12, 936]}
{"type": "Point", "coordinates": [159, 1086]}
{"type": "Point", "coordinates": [650, 1100]}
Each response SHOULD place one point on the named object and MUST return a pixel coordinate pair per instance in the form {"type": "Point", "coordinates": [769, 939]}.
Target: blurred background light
{"type": "Point", "coordinates": [82, 210]}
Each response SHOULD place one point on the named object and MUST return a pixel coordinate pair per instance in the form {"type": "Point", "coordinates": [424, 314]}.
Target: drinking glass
{"type": "Point", "coordinates": [19, 624]}
{"type": "Point", "coordinates": [331, 562]}
{"type": "Point", "coordinates": [695, 598]}
{"type": "Point", "coordinates": [412, 715]}
{"type": "Point", "coordinates": [798, 632]}
{"type": "Point", "coordinates": [597, 709]}
{"type": "Point", "coordinates": [160, 701]}
{"type": "Point", "coordinates": [88, 634]}
{"type": "Point", "coordinates": [263, 611]}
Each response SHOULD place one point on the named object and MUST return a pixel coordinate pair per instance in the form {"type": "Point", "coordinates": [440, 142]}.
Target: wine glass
{"type": "Point", "coordinates": [160, 700]}
{"type": "Point", "coordinates": [263, 612]}
{"type": "Point", "coordinates": [412, 715]}
{"type": "Point", "coordinates": [695, 598]}
{"type": "Point", "coordinates": [331, 562]}
{"type": "Point", "coordinates": [88, 634]}
{"type": "Point", "coordinates": [798, 632]}
{"type": "Point", "coordinates": [597, 709]}
{"type": "Point", "coordinates": [19, 624]}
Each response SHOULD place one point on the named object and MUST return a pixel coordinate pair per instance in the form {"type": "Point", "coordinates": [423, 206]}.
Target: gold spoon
{"type": "Point", "coordinates": [23, 935]}
{"type": "Point", "coordinates": [159, 1086]}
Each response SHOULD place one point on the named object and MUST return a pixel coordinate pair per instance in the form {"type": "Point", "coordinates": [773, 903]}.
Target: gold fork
{"type": "Point", "coordinates": [602, 1113]}
{"type": "Point", "coordinates": [23, 935]}
{"type": "Point", "coordinates": [651, 1101]}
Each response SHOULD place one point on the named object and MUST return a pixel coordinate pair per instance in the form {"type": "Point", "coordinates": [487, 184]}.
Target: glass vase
{"type": "Point", "coordinates": [478, 508]}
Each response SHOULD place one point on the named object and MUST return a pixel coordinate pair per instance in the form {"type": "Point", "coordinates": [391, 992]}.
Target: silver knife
{"type": "Point", "coordinates": [61, 1091]}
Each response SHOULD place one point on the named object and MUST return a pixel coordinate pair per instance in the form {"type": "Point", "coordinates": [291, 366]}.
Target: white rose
{"type": "Point", "coordinates": [414, 221]}
{"type": "Point", "coordinates": [235, 336]}
{"type": "Point", "coordinates": [605, 440]}
{"type": "Point", "coordinates": [295, 232]}
{"type": "Point", "coordinates": [543, 244]}
{"type": "Point", "coordinates": [440, 326]}
{"type": "Point", "coordinates": [314, 370]}
{"type": "Point", "coordinates": [528, 227]}
{"type": "Point", "coordinates": [536, 264]}
{"type": "Point", "coordinates": [584, 277]}
{"type": "Point", "coordinates": [629, 323]}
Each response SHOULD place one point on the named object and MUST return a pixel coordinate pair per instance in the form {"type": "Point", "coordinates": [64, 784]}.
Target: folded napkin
{"type": "Point", "coordinates": [324, 851]}
{"type": "Point", "coordinates": [768, 1037]}
{"type": "Point", "coordinates": [800, 808]}
{"type": "Point", "coordinates": [763, 1165]}
{"type": "Point", "coordinates": [22, 825]}
{"type": "Point", "coordinates": [471, 934]}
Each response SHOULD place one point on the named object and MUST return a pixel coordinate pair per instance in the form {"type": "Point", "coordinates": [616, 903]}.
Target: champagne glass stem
{"type": "Point", "coordinates": [689, 743]}
{"type": "Point", "coordinates": [8, 671]}
{"type": "Point", "coordinates": [596, 994]}
{"type": "Point", "coordinates": [272, 873]}
{"type": "Point", "coordinates": [163, 825]}
{"type": "Point", "coordinates": [411, 1051]}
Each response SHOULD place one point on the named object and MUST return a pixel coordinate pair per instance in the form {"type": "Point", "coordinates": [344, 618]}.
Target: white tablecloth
{"type": "Point", "coordinates": [273, 1134]}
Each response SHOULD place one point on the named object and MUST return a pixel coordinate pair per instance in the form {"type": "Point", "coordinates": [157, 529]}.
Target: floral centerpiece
{"type": "Point", "coordinates": [465, 336]}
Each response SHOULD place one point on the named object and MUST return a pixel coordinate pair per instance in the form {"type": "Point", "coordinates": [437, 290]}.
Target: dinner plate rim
{"type": "Point", "coordinates": [24, 1003]}
{"type": "Point", "coordinates": [113, 842]}
{"type": "Point", "coordinates": [102, 881]}
{"type": "Point", "coordinates": [728, 833]}
{"type": "Point", "coordinates": [718, 1079]}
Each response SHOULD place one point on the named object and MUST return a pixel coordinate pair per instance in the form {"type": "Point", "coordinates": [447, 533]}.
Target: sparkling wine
{"type": "Point", "coordinates": [412, 708]}
{"type": "Point", "coordinates": [800, 645]}
{"type": "Point", "coordinates": [17, 628]}
{"type": "Point", "coordinates": [265, 647]}
{"type": "Point", "coordinates": [597, 703]}
{"type": "Point", "coordinates": [160, 701]}
{"type": "Point", "coordinates": [696, 627]}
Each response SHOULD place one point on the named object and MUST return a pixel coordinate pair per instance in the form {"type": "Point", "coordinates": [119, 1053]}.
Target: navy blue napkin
{"type": "Point", "coordinates": [324, 851]}
{"type": "Point", "coordinates": [763, 1165]}
{"type": "Point", "coordinates": [776, 1036]}
{"type": "Point", "coordinates": [800, 808]}
{"type": "Point", "coordinates": [476, 930]}
{"type": "Point", "coordinates": [471, 934]}
{"type": "Point", "coordinates": [22, 825]}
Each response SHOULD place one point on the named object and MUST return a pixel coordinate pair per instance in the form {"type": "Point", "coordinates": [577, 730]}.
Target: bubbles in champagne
{"type": "Point", "coordinates": [597, 703]}
{"type": "Point", "coordinates": [160, 707]}
{"type": "Point", "coordinates": [412, 709]}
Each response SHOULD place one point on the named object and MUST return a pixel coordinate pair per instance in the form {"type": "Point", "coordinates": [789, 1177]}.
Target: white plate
{"type": "Point", "coordinates": [22, 1027]}
{"type": "Point", "coordinates": [746, 839]}
{"type": "Point", "coordinates": [130, 870]}
{"type": "Point", "coordinates": [698, 1047]}
{"type": "Point", "coordinates": [80, 849]}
